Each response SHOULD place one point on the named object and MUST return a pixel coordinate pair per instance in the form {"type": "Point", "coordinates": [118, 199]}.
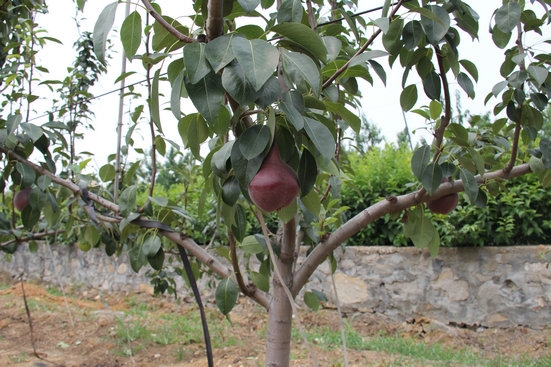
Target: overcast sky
{"type": "Point", "coordinates": [380, 103]}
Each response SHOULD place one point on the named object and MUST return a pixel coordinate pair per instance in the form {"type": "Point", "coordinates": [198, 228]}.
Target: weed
{"type": "Point", "coordinates": [54, 291]}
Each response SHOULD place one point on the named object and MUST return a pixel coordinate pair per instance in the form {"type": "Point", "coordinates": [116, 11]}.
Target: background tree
{"type": "Point", "coordinates": [289, 80]}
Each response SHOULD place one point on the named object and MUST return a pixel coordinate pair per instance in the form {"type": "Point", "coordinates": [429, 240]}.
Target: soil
{"type": "Point", "coordinates": [82, 328]}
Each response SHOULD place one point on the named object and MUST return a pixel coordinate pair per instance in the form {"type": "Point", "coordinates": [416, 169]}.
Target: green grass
{"type": "Point", "coordinates": [406, 351]}
{"type": "Point", "coordinates": [141, 327]}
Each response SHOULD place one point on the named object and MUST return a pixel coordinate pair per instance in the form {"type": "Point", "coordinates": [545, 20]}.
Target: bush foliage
{"type": "Point", "coordinates": [517, 215]}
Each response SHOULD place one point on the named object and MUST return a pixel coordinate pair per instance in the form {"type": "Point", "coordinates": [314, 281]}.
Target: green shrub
{"type": "Point", "coordinates": [518, 215]}
{"type": "Point", "coordinates": [375, 175]}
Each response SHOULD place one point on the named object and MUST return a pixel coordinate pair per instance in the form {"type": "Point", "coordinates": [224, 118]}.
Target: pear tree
{"type": "Point", "coordinates": [276, 89]}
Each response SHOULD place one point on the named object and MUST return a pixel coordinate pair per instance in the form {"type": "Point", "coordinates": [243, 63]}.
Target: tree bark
{"type": "Point", "coordinates": [280, 313]}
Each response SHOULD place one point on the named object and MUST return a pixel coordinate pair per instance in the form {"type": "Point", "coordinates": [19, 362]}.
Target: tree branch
{"type": "Point", "coordinates": [444, 120]}
{"type": "Point", "coordinates": [215, 21]}
{"type": "Point", "coordinates": [250, 289]}
{"type": "Point", "coordinates": [516, 135]}
{"type": "Point", "coordinates": [182, 37]}
{"type": "Point", "coordinates": [189, 244]}
{"type": "Point", "coordinates": [376, 211]}
{"type": "Point", "coordinates": [368, 43]}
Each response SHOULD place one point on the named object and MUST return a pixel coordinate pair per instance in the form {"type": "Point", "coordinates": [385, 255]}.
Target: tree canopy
{"type": "Point", "coordinates": [289, 78]}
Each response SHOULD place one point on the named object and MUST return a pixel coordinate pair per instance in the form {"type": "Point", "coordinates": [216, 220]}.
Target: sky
{"type": "Point", "coordinates": [380, 103]}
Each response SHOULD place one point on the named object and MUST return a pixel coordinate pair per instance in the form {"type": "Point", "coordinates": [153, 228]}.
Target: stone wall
{"type": "Point", "coordinates": [488, 286]}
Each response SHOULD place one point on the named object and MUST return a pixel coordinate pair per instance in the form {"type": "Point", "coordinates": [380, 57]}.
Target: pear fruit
{"type": "Point", "coordinates": [444, 205]}
{"type": "Point", "coordinates": [21, 199]}
{"type": "Point", "coordinates": [275, 185]}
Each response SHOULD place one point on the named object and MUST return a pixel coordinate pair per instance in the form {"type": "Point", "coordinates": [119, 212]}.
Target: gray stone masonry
{"type": "Point", "coordinates": [486, 286]}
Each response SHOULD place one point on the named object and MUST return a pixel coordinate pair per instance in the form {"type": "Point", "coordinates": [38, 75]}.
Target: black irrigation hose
{"type": "Point", "coordinates": [195, 289]}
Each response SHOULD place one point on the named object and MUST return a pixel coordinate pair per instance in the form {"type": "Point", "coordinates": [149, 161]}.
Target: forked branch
{"type": "Point", "coordinates": [379, 209]}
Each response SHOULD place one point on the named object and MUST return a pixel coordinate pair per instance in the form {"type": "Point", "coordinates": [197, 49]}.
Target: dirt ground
{"type": "Point", "coordinates": [81, 329]}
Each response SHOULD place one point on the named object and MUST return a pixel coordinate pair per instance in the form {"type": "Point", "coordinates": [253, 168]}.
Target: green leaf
{"type": "Point", "coordinates": [432, 177]}
{"type": "Point", "coordinates": [91, 235]}
{"type": "Point", "coordinates": [43, 182]}
{"type": "Point", "coordinates": [312, 301]}
{"type": "Point", "coordinates": [101, 30]}
{"type": "Point", "coordinates": [333, 46]}
{"type": "Point", "coordinates": [435, 23]}
{"type": "Point", "coordinates": [391, 39]}
{"type": "Point", "coordinates": [231, 190]}
{"type": "Point", "coordinates": [259, 58]}
{"type": "Point", "coordinates": [240, 220]}
{"type": "Point", "coordinates": [269, 93]}
{"type": "Point", "coordinates": [249, 5]}
{"type": "Point", "coordinates": [290, 11]}
{"type": "Point", "coordinates": [131, 34]}
{"type": "Point", "coordinates": [538, 73]}
{"type": "Point", "coordinates": [251, 246]}
{"type": "Point", "coordinates": [508, 16]}
{"type": "Point", "coordinates": [156, 261]}
{"type": "Point", "coordinates": [297, 67]}
{"type": "Point", "coordinates": [254, 141]}
{"type": "Point", "coordinates": [107, 172]}
{"type": "Point", "coordinates": [351, 118]}
{"type": "Point", "coordinates": [312, 202]}
{"type": "Point", "coordinates": [193, 130]}
{"type": "Point", "coordinates": [287, 213]}
{"type": "Point", "coordinates": [420, 160]}
{"type": "Point", "coordinates": [151, 245]}
{"type": "Point", "coordinates": [419, 228]}
{"type": "Point", "coordinates": [219, 52]}
{"type": "Point", "coordinates": [177, 92]}
{"type": "Point", "coordinates": [27, 174]}
{"type": "Point", "coordinates": [237, 85]}
{"type": "Point", "coordinates": [207, 96]}
{"type": "Point", "coordinates": [292, 104]}
{"type": "Point", "coordinates": [163, 39]}
{"type": "Point", "coordinates": [196, 62]}
{"type": "Point", "coordinates": [136, 257]}
{"type": "Point", "coordinates": [501, 39]}
{"type": "Point", "coordinates": [545, 148]}
{"type": "Point", "coordinates": [366, 56]}
{"type": "Point", "coordinates": [261, 280]}
{"type": "Point", "coordinates": [127, 200]}
{"type": "Point", "coordinates": [307, 172]}
{"type": "Point", "coordinates": [408, 97]}
{"type": "Point", "coordinates": [154, 101]}
{"type": "Point", "coordinates": [219, 162]}
{"type": "Point", "coordinates": [466, 84]}
{"type": "Point", "coordinates": [471, 68]}
{"type": "Point", "coordinates": [435, 109]}
{"type": "Point", "coordinates": [34, 132]}
{"type": "Point", "coordinates": [159, 200]}
{"type": "Point", "coordinates": [470, 184]}
{"type": "Point", "coordinates": [432, 86]}
{"type": "Point", "coordinates": [321, 137]}
{"type": "Point", "coordinates": [226, 296]}
{"type": "Point", "coordinates": [303, 36]}
{"type": "Point", "coordinates": [412, 34]}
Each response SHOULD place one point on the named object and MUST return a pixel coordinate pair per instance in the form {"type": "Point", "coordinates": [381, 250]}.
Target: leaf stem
{"type": "Point", "coordinates": [362, 49]}
{"type": "Point", "coordinates": [182, 37]}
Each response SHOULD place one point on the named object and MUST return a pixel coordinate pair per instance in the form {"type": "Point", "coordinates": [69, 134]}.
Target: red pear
{"type": "Point", "coordinates": [21, 199]}
{"type": "Point", "coordinates": [445, 204]}
{"type": "Point", "coordinates": [275, 185]}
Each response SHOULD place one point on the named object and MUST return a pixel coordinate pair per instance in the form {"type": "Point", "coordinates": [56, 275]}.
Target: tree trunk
{"type": "Point", "coordinates": [278, 340]}
{"type": "Point", "coordinates": [280, 313]}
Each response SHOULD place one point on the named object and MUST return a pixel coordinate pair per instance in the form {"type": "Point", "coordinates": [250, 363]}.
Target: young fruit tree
{"type": "Point", "coordinates": [275, 86]}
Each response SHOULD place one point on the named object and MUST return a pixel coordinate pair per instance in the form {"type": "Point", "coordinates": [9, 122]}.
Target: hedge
{"type": "Point", "coordinates": [518, 215]}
